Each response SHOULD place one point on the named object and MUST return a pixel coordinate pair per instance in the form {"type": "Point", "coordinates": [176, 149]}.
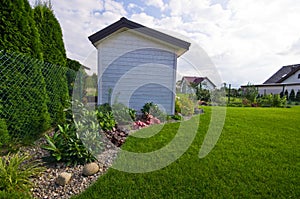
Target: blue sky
{"type": "Point", "coordinates": [246, 41]}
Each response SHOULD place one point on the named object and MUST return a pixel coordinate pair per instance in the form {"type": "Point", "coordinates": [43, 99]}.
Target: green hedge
{"type": "Point", "coordinates": [4, 136]}
{"type": "Point", "coordinates": [53, 52]}
{"type": "Point", "coordinates": [22, 88]}
{"type": "Point", "coordinates": [23, 96]}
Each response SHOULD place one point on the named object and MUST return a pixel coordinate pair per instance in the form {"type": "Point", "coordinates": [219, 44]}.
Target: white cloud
{"type": "Point", "coordinates": [156, 3]}
{"type": "Point", "coordinates": [247, 41]}
{"type": "Point", "coordinates": [243, 39]}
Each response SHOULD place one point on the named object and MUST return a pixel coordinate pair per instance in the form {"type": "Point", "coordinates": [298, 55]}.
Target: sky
{"type": "Point", "coordinates": [246, 41]}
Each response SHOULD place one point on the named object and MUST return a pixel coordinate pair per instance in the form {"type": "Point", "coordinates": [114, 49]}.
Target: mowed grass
{"type": "Point", "coordinates": [257, 156]}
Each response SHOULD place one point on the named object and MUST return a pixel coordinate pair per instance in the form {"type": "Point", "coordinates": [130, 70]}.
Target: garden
{"type": "Point", "coordinates": [53, 146]}
{"type": "Point", "coordinates": [257, 155]}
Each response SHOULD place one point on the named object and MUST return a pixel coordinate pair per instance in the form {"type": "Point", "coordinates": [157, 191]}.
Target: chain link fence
{"type": "Point", "coordinates": [33, 93]}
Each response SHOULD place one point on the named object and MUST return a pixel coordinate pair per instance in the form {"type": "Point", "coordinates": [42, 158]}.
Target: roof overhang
{"type": "Point", "coordinates": [124, 24]}
{"type": "Point", "coordinates": [273, 85]}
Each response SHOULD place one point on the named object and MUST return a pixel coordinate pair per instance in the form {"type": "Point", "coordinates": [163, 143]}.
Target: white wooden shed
{"type": "Point", "coordinates": [137, 65]}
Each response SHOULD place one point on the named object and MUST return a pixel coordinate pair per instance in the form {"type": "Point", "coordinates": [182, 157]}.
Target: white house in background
{"type": "Point", "coordinates": [137, 65]}
{"type": "Point", "coordinates": [187, 82]}
{"type": "Point", "coordinates": [287, 78]}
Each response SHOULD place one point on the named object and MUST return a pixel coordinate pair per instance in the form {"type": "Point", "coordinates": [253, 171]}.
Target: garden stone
{"type": "Point", "coordinates": [63, 178]}
{"type": "Point", "coordinates": [90, 169]}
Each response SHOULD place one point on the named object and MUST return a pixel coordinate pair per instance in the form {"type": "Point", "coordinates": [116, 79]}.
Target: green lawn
{"type": "Point", "coordinates": [257, 156]}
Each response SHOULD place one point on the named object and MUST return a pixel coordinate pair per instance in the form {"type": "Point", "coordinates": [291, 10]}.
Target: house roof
{"type": "Point", "coordinates": [284, 73]}
{"type": "Point", "coordinates": [196, 80]}
{"type": "Point", "coordinates": [124, 24]}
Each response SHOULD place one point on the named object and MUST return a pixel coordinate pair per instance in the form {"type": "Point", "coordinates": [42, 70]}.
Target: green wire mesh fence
{"type": "Point", "coordinates": [34, 94]}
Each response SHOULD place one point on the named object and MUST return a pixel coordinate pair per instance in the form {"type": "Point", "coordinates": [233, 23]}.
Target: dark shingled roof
{"type": "Point", "coordinates": [125, 23]}
{"type": "Point", "coordinates": [196, 80]}
{"type": "Point", "coordinates": [284, 73]}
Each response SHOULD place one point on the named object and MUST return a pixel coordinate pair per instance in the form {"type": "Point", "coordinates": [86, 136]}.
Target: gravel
{"type": "Point", "coordinates": [44, 184]}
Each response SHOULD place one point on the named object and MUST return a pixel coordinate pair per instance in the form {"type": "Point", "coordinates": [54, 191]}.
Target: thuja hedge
{"type": "Point", "coordinates": [23, 96]}
{"type": "Point", "coordinates": [53, 52]}
{"type": "Point", "coordinates": [22, 87]}
{"type": "Point", "coordinates": [17, 28]}
{"type": "Point", "coordinates": [29, 90]}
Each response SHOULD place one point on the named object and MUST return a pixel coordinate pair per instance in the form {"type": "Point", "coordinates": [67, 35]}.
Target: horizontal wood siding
{"type": "Point", "coordinates": [136, 70]}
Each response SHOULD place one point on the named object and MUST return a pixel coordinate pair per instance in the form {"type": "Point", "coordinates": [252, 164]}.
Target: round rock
{"type": "Point", "coordinates": [90, 169]}
{"type": "Point", "coordinates": [63, 178]}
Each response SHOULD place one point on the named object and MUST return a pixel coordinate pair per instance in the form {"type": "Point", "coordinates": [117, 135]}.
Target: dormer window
{"type": "Point", "coordinates": [298, 76]}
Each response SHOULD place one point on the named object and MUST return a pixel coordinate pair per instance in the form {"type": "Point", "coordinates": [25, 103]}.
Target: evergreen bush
{"type": "Point", "coordinates": [292, 96]}
{"type": "Point", "coordinates": [286, 94]}
{"type": "Point", "coordinates": [53, 52]}
{"type": "Point", "coordinates": [298, 96]}
{"type": "Point", "coordinates": [23, 92]}
{"type": "Point", "coordinates": [23, 97]}
{"type": "Point", "coordinates": [4, 136]}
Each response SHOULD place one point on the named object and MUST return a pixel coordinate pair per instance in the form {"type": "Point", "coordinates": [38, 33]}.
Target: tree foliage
{"type": "Point", "coordinates": [298, 96]}
{"type": "Point", "coordinates": [72, 72]}
{"type": "Point", "coordinates": [292, 96]}
{"type": "Point", "coordinates": [250, 93]}
{"type": "Point", "coordinates": [21, 89]}
{"type": "Point", "coordinates": [53, 52]}
{"type": "Point", "coordinates": [18, 30]}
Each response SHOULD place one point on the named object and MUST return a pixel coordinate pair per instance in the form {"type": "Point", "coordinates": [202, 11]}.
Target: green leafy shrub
{"type": "Point", "coordinates": [4, 136]}
{"type": "Point", "coordinates": [106, 120]}
{"type": "Point", "coordinates": [88, 131]}
{"type": "Point", "coordinates": [104, 108]}
{"type": "Point", "coordinates": [65, 146]}
{"type": "Point", "coordinates": [123, 114]}
{"type": "Point", "coordinates": [271, 101]}
{"type": "Point", "coordinates": [277, 101]}
{"type": "Point", "coordinates": [79, 141]}
{"type": "Point", "coordinates": [185, 106]}
{"type": "Point", "coordinates": [152, 109]}
{"type": "Point", "coordinates": [203, 95]}
{"type": "Point", "coordinates": [176, 117]}
{"type": "Point", "coordinates": [16, 171]}
{"type": "Point", "coordinates": [178, 105]}
{"type": "Point", "coordinates": [106, 117]}
{"type": "Point", "coordinates": [250, 93]}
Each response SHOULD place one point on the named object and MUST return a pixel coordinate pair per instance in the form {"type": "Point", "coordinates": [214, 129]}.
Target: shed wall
{"type": "Point", "coordinates": [134, 70]}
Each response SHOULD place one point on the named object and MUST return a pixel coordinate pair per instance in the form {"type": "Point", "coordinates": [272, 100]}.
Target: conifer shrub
{"type": "Point", "coordinates": [22, 91]}
{"type": "Point", "coordinates": [53, 50]}
{"type": "Point", "coordinates": [4, 136]}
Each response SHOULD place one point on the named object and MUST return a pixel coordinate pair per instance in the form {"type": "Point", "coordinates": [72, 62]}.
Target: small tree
{"type": "Point", "coordinates": [201, 94]}
{"type": "Point", "coordinates": [286, 93]}
{"type": "Point", "coordinates": [298, 96]}
{"type": "Point", "coordinates": [292, 95]}
{"type": "Point", "coordinates": [54, 52]}
{"type": "Point", "coordinates": [281, 94]}
{"type": "Point", "coordinates": [250, 93]}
